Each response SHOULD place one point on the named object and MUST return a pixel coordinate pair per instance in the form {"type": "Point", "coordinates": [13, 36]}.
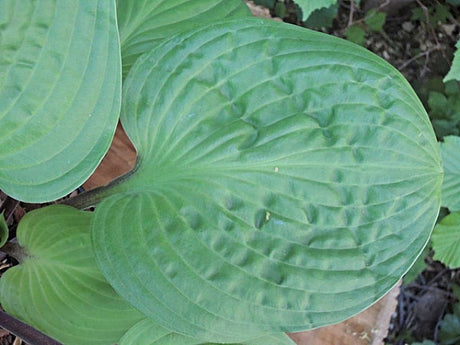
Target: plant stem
{"type": "Point", "coordinates": [27, 333]}
{"type": "Point", "coordinates": [15, 250]}
{"type": "Point", "coordinates": [94, 196]}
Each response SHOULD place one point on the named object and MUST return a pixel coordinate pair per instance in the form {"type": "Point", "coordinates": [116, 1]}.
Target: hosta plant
{"type": "Point", "coordinates": [285, 179]}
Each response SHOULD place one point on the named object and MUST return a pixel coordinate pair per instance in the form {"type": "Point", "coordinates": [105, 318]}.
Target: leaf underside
{"type": "Point", "coordinates": [143, 23]}
{"type": "Point", "coordinates": [286, 180]}
{"type": "Point", "coordinates": [58, 288]}
{"type": "Point", "coordinates": [60, 88]}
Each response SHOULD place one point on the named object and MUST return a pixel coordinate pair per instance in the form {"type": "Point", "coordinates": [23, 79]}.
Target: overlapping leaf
{"type": "Point", "coordinates": [60, 77]}
{"type": "Point", "coordinates": [58, 287]}
{"type": "Point", "coordinates": [147, 332]}
{"type": "Point", "coordinates": [446, 240]}
{"type": "Point", "coordinates": [143, 23]}
{"type": "Point", "coordinates": [454, 72]}
{"type": "Point", "coordinates": [450, 150]}
{"type": "Point", "coordinates": [308, 6]}
{"type": "Point", "coordinates": [286, 180]}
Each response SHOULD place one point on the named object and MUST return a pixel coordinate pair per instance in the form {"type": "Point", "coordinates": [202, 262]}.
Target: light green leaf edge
{"type": "Point", "coordinates": [317, 241]}
{"type": "Point", "coordinates": [309, 6]}
{"type": "Point", "coordinates": [147, 332]}
{"type": "Point", "coordinates": [143, 23]}
{"type": "Point", "coordinates": [446, 240]}
{"type": "Point", "coordinates": [58, 288]}
{"type": "Point", "coordinates": [454, 72]}
{"type": "Point", "coordinates": [60, 90]}
{"type": "Point", "coordinates": [4, 231]}
{"type": "Point", "coordinates": [450, 151]}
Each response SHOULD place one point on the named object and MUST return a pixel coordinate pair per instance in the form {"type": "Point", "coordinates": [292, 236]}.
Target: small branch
{"type": "Point", "coordinates": [86, 199]}
{"type": "Point", "coordinates": [418, 56]}
{"type": "Point", "coordinates": [27, 333]}
{"type": "Point", "coordinates": [14, 250]}
{"type": "Point", "coordinates": [94, 196]}
{"type": "Point", "coordinates": [352, 11]}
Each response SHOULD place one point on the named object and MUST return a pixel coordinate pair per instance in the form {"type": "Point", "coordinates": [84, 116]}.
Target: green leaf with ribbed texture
{"type": "Point", "coordinates": [147, 332]}
{"type": "Point", "coordinates": [143, 23]}
{"type": "Point", "coordinates": [450, 151]}
{"type": "Point", "coordinates": [60, 90]}
{"type": "Point", "coordinates": [286, 180]}
{"type": "Point", "coordinates": [446, 240]}
{"type": "Point", "coordinates": [58, 288]}
{"type": "Point", "coordinates": [308, 6]}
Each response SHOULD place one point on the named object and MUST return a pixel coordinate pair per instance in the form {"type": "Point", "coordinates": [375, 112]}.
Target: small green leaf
{"type": "Point", "coordinates": [143, 23]}
{"type": "Point", "coordinates": [60, 88]}
{"type": "Point", "coordinates": [441, 14]}
{"type": "Point", "coordinates": [356, 34]}
{"type": "Point", "coordinates": [308, 6]}
{"type": "Point", "coordinates": [147, 332]}
{"type": "Point", "coordinates": [449, 331]}
{"type": "Point", "coordinates": [57, 288]}
{"type": "Point", "coordinates": [450, 151]}
{"type": "Point", "coordinates": [446, 240]}
{"type": "Point", "coordinates": [438, 105]}
{"type": "Point", "coordinates": [4, 231]}
{"type": "Point", "coordinates": [280, 9]}
{"type": "Point", "coordinates": [322, 18]}
{"type": "Point", "coordinates": [454, 72]}
{"type": "Point", "coordinates": [375, 20]}
{"type": "Point", "coordinates": [279, 173]}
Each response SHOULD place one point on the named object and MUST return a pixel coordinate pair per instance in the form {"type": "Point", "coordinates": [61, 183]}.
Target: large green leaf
{"type": "Point", "coordinates": [60, 77]}
{"type": "Point", "coordinates": [58, 287]}
{"type": "Point", "coordinates": [286, 180]}
{"type": "Point", "coordinates": [450, 150]}
{"type": "Point", "coordinates": [143, 23]}
{"type": "Point", "coordinates": [147, 332]}
{"type": "Point", "coordinates": [446, 240]}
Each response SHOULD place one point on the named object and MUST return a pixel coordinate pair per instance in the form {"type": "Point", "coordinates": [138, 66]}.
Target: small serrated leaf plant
{"type": "Point", "coordinates": [285, 179]}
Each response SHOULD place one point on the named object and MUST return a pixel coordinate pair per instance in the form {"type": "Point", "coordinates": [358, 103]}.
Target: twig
{"type": "Point", "coordinates": [25, 332]}
{"type": "Point", "coordinates": [419, 55]}
{"type": "Point", "coordinates": [352, 11]}
{"type": "Point", "coordinates": [427, 18]}
{"type": "Point", "coordinates": [383, 5]}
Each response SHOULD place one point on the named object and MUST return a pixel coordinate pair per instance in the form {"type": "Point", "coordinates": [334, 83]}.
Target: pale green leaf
{"type": "Point", "coordinates": [450, 150]}
{"type": "Point", "coordinates": [308, 6]}
{"type": "Point", "coordinates": [446, 240]}
{"type": "Point", "coordinates": [58, 288]}
{"type": "Point", "coordinates": [60, 86]}
{"type": "Point", "coordinates": [454, 72]}
{"type": "Point", "coordinates": [4, 231]}
{"type": "Point", "coordinates": [142, 23]}
{"type": "Point", "coordinates": [286, 180]}
{"type": "Point", "coordinates": [147, 332]}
